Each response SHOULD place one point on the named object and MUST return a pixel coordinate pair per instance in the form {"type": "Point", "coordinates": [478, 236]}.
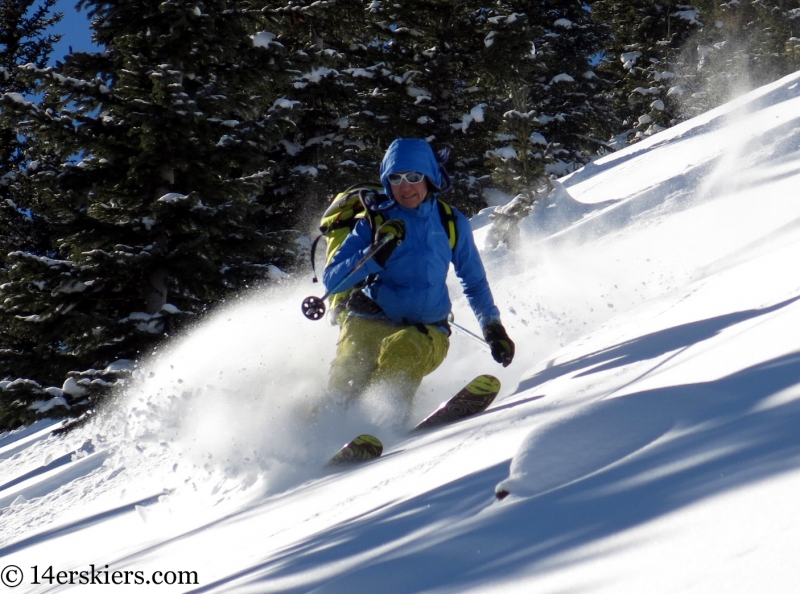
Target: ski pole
{"type": "Point", "coordinates": [314, 307]}
{"type": "Point", "coordinates": [463, 330]}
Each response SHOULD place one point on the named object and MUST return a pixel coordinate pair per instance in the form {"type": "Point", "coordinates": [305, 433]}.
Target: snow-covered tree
{"type": "Point", "coordinates": [24, 39]}
{"type": "Point", "coordinates": [320, 156]}
{"type": "Point", "coordinates": [567, 112]}
{"type": "Point", "coordinates": [445, 71]}
{"type": "Point", "coordinates": [380, 70]}
{"type": "Point", "coordinates": [153, 155]}
{"type": "Point", "coordinates": [740, 46]}
{"type": "Point", "coordinates": [557, 115]}
{"type": "Point", "coordinates": [645, 58]}
{"type": "Point", "coordinates": [452, 72]}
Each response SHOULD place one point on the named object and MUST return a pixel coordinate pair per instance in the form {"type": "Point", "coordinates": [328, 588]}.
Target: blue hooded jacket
{"type": "Point", "coordinates": [412, 288]}
{"type": "Point", "coordinates": [412, 154]}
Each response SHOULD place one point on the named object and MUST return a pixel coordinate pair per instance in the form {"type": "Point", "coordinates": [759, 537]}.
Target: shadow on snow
{"type": "Point", "coordinates": [674, 447]}
{"type": "Point", "coordinates": [649, 346]}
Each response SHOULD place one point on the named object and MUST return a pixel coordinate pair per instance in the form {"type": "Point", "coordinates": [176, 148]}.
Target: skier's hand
{"type": "Point", "coordinates": [498, 340]}
{"type": "Point", "coordinates": [393, 231]}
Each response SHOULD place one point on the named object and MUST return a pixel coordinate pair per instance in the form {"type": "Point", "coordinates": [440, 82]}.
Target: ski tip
{"type": "Point", "coordinates": [484, 384]}
{"type": "Point", "coordinates": [472, 399]}
{"type": "Point", "coordinates": [361, 449]}
{"type": "Point", "coordinates": [366, 440]}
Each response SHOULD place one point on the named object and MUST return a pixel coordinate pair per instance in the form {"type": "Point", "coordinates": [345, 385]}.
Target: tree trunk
{"type": "Point", "coordinates": [156, 296]}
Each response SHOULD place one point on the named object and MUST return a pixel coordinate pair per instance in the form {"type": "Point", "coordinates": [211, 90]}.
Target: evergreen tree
{"type": "Point", "coordinates": [740, 46]}
{"type": "Point", "coordinates": [566, 111]}
{"type": "Point", "coordinates": [464, 75]}
{"type": "Point", "coordinates": [447, 71]}
{"type": "Point", "coordinates": [646, 58]}
{"type": "Point", "coordinates": [320, 156]}
{"type": "Point", "coordinates": [379, 70]}
{"type": "Point", "coordinates": [153, 156]}
{"type": "Point", "coordinates": [558, 117]}
{"type": "Point", "coordinates": [24, 39]}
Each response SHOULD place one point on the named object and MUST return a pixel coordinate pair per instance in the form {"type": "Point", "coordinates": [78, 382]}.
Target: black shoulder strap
{"type": "Point", "coordinates": [313, 257]}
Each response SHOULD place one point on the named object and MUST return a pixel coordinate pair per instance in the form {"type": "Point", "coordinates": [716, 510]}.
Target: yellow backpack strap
{"type": "Point", "coordinates": [341, 216]}
{"type": "Point", "coordinates": [376, 220]}
{"type": "Point", "coordinates": [448, 218]}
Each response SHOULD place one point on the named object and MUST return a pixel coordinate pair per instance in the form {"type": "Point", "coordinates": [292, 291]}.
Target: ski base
{"type": "Point", "coordinates": [361, 449]}
{"type": "Point", "coordinates": [475, 397]}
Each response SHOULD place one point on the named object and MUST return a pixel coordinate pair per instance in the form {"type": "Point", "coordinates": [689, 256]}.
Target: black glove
{"type": "Point", "coordinates": [395, 229]}
{"type": "Point", "coordinates": [499, 342]}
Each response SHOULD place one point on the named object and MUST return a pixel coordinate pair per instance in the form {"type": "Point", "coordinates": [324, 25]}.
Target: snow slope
{"type": "Point", "coordinates": [646, 438]}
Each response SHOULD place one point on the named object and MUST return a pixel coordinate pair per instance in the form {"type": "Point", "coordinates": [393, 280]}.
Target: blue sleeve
{"type": "Point", "coordinates": [469, 269]}
{"type": "Point", "coordinates": [347, 256]}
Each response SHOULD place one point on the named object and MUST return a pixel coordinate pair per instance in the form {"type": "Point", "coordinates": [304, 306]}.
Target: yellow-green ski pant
{"type": "Point", "coordinates": [375, 352]}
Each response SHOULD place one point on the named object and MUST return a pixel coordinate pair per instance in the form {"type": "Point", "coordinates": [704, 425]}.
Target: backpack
{"type": "Point", "coordinates": [347, 208]}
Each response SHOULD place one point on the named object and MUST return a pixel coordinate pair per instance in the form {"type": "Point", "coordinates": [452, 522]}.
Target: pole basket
{"type": "Point", "coordinates": [313, 308]}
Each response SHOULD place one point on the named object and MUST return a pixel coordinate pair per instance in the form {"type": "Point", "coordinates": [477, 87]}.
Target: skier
{"type": "Point", "coordinates": [395, 329]}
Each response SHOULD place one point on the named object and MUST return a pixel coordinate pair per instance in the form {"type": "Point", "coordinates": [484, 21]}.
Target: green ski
{"type": "Point", "coordinates": [475, 397]}
{"type": "Point", "coordinates": [361, 449]}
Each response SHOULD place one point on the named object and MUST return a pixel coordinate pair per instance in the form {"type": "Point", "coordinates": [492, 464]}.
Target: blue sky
{"type": "Point", "coordinates": [75, 30]}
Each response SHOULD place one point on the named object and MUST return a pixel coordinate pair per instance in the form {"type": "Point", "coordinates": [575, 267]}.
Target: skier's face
{"type": "Point", "coordinates": [408, 194]}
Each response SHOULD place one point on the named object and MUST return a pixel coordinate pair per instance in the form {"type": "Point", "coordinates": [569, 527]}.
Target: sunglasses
{"type": "Point", "coordinates": [411, 177]}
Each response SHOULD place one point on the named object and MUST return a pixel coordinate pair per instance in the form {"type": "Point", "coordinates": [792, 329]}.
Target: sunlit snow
{"type": "Point", "coordinates": [645, 439]}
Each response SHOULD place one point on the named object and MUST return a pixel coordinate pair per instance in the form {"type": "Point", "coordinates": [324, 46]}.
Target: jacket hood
{"type": "Point", "coordinates": [413, 154]}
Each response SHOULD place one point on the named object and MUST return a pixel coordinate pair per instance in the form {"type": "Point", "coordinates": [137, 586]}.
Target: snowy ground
{"type": "Point", "coordinates": [647, 432]}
